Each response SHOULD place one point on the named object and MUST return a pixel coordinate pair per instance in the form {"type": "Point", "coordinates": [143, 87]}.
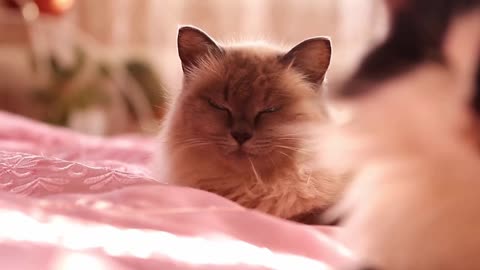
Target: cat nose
{"type": "Point", "coordinates": [241, 136]}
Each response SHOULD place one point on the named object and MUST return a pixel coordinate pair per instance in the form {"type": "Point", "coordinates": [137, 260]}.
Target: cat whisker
{"type": "Point", "coordinates": [296, 137]}
{"type": "Point", "coordinates": [217, 138]}
{"type": "Point", "coordinates": [291, 148]}
{"type": "Point", "coordinates": [285, 154]}
{"type": "Point", "coordinates": [193, 145]}
{"type": "Point", "coordinates": [292, 133]}
{"type": "Point", "coordinates": [295, 149]}
{"type": "Point", "coordinates": [191, 140]}
{"type": "Point", "coordinates": [265, 144]}
{"type": "Point", "coordinates": [257, 176]}
{"type": "Point", "coordinates": [297, 134]}
{"type": "Point", "coordinates": [183, 146]}
{"type": "Point", "coordinates": [260, 150]}
{"type": "Point", "coordinates": [272, 161]}
{"type": "Point", "coordinates": [225, 144]}
{"type": "Point", "coordinates": [269, 140]}
{"type": "Point", "coordinates": [288, 140]}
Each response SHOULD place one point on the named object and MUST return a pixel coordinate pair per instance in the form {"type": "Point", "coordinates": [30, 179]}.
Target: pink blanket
{"type": "Point", "coordinates": [70, 201]}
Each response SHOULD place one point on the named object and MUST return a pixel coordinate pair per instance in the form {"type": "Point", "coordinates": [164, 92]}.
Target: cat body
{"type": "Point", "coordinates": [411, 137]}
{"type": "Point", "coordinates": [243, 121]}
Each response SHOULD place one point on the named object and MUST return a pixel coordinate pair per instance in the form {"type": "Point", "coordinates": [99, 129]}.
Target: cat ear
{"type": "Point", "coordinates": [310, 57]}
{"type": "Point", "coordinates": [194, 44]}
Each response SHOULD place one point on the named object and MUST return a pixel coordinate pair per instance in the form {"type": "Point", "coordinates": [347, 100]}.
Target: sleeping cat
{"type": "Point", "coordinates": [411, 136]}
{"type": "Point", "coordinates": [244, 122]}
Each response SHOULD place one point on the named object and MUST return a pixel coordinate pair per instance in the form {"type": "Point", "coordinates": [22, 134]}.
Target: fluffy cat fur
{"type": "Point", "coordinates": [412, 140]}
{"type": "Point", "coordinates": [244, 122]}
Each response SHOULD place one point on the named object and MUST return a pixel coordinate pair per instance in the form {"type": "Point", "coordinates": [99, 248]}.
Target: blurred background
{"type": "Point", "coordinates": [105, 67]}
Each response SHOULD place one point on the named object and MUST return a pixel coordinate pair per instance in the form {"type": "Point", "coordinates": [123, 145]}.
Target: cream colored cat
{"type": "Point", "coordinates": [415, 200]}
{"type": "Point", "coordinates": [244, 124]}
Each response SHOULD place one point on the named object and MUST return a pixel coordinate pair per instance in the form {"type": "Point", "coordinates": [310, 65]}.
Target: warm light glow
{"type": "Point", "coordinates": [30, 11]}
{"type": "Point", "coordinates": [340, 248]}
{"type": "Point", "coordinates": [63, 4]}
{"type": "Point", "coordinates": [78, 261]}
{"type": "Point", "coordinates": [207, 250]}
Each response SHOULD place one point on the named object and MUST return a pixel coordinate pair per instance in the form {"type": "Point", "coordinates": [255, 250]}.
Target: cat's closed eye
{"type": "Point", "coordinates": [265, 111]}
{"type": "Point", "coordinates": [217, 106]}
{"type": "Point", "coordinates": [270, 110]}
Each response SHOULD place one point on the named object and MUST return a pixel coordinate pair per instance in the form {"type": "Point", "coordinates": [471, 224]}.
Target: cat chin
{"type": "Point", "coordinates": [246, 153]}
{"type": "Point", "coordinates": [241, 161]}
{"type": "Point", "coordinates": [240, 156]}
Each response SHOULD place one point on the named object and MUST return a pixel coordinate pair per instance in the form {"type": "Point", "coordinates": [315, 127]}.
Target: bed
{"type": "Point", "coordinates": [71, 201]}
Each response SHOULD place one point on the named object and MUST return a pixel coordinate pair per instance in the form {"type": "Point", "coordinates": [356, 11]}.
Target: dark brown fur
{"type": "Point", "coordinates": [416, 37]}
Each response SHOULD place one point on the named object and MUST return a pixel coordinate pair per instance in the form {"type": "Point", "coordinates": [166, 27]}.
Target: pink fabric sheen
{"type": "Point", "coordinates": [69, 199]}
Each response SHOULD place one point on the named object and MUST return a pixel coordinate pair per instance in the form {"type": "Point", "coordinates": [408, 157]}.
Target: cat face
{"type": "Point", "coordinates": [242, 102]}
